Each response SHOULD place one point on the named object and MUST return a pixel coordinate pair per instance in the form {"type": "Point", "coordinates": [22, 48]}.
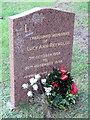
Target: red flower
{"type": "Point", "coordinates": [63, 71]}
{"type": "Point", "coordinates": [64, 77]}
{"type": "Point", "coordinates": [54, 84]}
{"type": "Point", "coordinates": [74, 89]}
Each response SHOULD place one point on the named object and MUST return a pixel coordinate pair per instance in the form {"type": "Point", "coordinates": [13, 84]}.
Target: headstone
{"type": "Point", "coordinates": [40, 39]}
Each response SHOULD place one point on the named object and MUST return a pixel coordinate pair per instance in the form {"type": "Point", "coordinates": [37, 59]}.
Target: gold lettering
{"type": "Point", "coordinates": [32, 48]}
{"type": "Point", "coordinates": [59, 61]}
{"type": "Point", "coordinates": [43, 46]}
{"type": "Point", "coordinates": [44, 41]}
{"type": "Point", "coordinates": [44, 55]}
{"type": "Point", "coordinates": [48, 35]}
{"type": "Point", "coordinates": [58, 44]}
{"type": "Point", "coordinates": [26, 28]}
{"type": "Point", "coordinates": [27, 76]}
{"type": "Point", "coordinates": [45, 60]}
{"type": "Point", "coordinates": [47, 46]}
{"type": "Point", "coordinates": [26, 68]}
{"type": "Point", "coordinates": [30, 58]}
{"type": "Point", "coordinates": [43, 64]}
{"type": "Point", "coordinates": [51, 45]}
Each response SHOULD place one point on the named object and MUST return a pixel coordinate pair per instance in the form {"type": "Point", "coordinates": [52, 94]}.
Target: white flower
{"type": "Point", "coordinates": [48, 89]}
{"type": "Point", "coordinates": [43, 81]}
{"type": "Point", "coordinates": [37, 76]}
{"type": "Point", "coordinates": [48, 74]}
{"type": "Point", "coordinates": [25, 86]}
{"type": "Point", "coordinates": [35, 87]}
{"type": "Point", "coordinates": [48, 93]}
{"type": "Point", "coordinates": [35, 80]}
{"type": "Point", "coordinates": [32, 81]}
{"type": "Point", "coordinates": [29, 94]}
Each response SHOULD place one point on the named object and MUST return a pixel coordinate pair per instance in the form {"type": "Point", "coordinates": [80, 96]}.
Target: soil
{"type": "Point", "coordinates": [80, 29]}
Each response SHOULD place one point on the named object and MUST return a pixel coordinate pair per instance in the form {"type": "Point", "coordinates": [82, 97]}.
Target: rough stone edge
{"type": "Point", "coordinates": [26, 12]}
{"type": "Point", "coordinates": [11, 55]}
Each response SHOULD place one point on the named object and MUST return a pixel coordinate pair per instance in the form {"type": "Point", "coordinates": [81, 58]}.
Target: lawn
{"type": "Point", "coordinates": [79, 68]}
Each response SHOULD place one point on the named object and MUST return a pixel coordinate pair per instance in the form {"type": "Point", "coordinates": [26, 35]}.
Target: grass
{"type": "Point", "coordinates": [81, 5]}
{"type": "Point", "coordinates": [79, 70]}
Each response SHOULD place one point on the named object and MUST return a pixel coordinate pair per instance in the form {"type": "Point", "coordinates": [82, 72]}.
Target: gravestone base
{"type": "Point", "coordinates": [10, 106]}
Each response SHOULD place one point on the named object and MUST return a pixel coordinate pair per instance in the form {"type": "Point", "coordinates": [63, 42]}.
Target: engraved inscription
{"type": "Point", "coordinates": [42, 64]}
{"type": "Point", "coordinates": [44, 55]}
{"type": "Point", "coordinates": [44, 46]}
{"type": "Point", "coordinates": [45, 60]}
{"type": "Point", "coordinates": [26, 28]}
{"type": "Point", "coordinates": [51, 45]}
{"type": "Point", "coordinates": [45, 41]}
{"type": "Point", "coordinates": [27, 76]}
{"type": "Point", "coordinates": [49, 35]}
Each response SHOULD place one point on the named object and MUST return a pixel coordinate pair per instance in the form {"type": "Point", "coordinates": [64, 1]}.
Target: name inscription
{"type": "Point", "coordinates": [51, 45]}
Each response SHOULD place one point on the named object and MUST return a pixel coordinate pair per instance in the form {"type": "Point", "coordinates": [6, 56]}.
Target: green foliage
{"type": "Point", "coordinates": [57, 100]}
{"type": "Point", "coordinates": [56, 76]}
{"type": "Point", "coordinates": [61, 96]}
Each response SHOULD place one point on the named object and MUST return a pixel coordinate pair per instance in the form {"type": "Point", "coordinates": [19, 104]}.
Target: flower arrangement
{"type": "Point", "coordinates": [33, 83]}
{"type": "Point", "coordinates": [62, 89]}
{"type": "Point", "coordinates": [59, 88]}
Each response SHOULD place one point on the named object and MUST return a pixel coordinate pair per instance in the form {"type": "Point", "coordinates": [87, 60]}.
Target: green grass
{"type": "Point", "coordinates": [13, 8]}
{"type": "Point", "coordinates": [81, 7]}
{"type": "Point", "coordinates": [79, 70]}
